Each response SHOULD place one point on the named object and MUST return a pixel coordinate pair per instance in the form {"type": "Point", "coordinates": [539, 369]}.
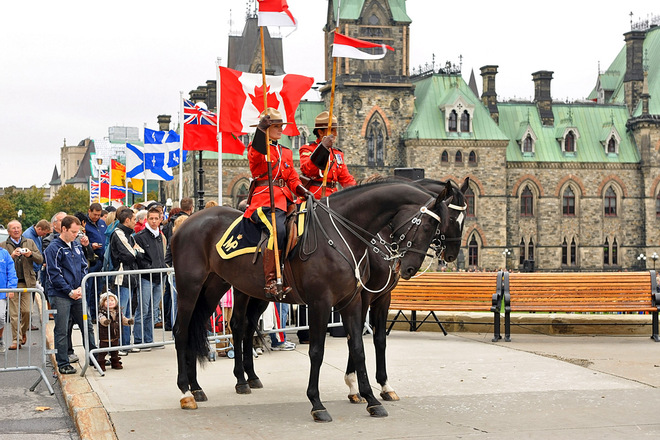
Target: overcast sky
{"type": "Point", "coordinates": [71, 69]}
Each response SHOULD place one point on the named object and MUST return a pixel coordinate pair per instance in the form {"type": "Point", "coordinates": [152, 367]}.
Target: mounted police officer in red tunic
{"type": "Point", "coordinates": [314, 158]}
{"type": "Point", "coordinates": [286, 185]}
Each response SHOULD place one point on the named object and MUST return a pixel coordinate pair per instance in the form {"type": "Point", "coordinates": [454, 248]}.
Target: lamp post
{"type": "Point", "coordinates": [506, 253]}
{"type": "Point", "coordinates": [642, 260]}
{"type": "Point", "coordinates": [654, 257]}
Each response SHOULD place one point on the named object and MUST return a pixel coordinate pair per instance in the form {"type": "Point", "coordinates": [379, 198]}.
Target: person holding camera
{"type": "Point", "coordinates": [66, 266]}
{"type": "Point", "coordinates": [25, 254]}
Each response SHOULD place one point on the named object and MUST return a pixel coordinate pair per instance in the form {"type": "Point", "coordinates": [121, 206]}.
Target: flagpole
{"type": "Point", "coordinates": [273, 222]}
{"type": "Point", "coordinates": [218, 135]}
{"type": "Point", "coordinates": [332, 102]}
{"type": "Point", "coordinates": [181, 146]}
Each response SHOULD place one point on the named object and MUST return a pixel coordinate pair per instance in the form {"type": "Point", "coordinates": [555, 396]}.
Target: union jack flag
{"type": "Point", "coordinates": [199, 128]}
{"type": "Point", "coordinates": [195, 115]}
{"type": "Point", "coordinates": [105, 177]}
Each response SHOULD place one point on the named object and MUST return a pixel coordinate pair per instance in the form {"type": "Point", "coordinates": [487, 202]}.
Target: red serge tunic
{"type": "Point", "coordinates": [337, 172]}
{"type": "Point", "coordinates": [285, 178]}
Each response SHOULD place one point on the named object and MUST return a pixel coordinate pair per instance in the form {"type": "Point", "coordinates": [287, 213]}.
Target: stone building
{"type": "Point", "coordinates": [553, 185]}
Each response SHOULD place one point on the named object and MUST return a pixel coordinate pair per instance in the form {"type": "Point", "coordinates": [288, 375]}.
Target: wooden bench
{"type": "Point", "coordinates": [447, 291]}
{"type": "Point", "coordinates": [580, 292]}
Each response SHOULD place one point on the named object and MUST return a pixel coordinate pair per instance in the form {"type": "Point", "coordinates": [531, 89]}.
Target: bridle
{"type": "Point", "coordinates": [439, 242]}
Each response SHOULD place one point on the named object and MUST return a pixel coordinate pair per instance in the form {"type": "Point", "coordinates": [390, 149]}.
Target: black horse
{"type": "Point", "coordinates": [376, 294]}
{"type": "Point", "coordinates": [326, 270]}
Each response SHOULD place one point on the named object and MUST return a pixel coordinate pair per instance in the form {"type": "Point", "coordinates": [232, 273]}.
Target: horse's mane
{"type": "Point", "coordinates": [365, 185]}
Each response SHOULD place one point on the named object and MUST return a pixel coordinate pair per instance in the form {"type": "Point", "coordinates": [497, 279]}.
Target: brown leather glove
{"type": "Point", "coordinates": [264, 123]}
{"type": "Point", "coordinates": [303, 192]}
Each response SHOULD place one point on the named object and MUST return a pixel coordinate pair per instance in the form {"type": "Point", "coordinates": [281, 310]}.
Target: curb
{"type": "Point", "coordinates": [85, 407]}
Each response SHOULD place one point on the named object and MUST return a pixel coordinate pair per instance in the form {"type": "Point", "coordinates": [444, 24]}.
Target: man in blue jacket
{"type": "Point", "coordinates": [95, 229]}
{"type": "Point", "coordinates": [8, 280]}
{"type": "Point", "coordinates": [66, 266]}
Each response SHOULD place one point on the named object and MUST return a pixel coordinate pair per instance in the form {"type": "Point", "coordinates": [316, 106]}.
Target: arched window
{"type": "Point", "coordinates": [528, 144]}
{"type": "Point", "coordinates": [453, 121]}
{"type": "Point", "coordinates": [469, 201]}
{"type": "Point", "coordinates": [459, 157]}
{"type": "Point", "coordinates": [611, 145]}
{"type": "Point", "coordinates": [610, 203]}
{"type": "Point", "coordinates": [465, 122]}
{"type": "Point", "coordinates": [530, 249]}
{"type": "Point", "coordinates": [526, 203]}
{"type": "Point", "coordinates": [473, 252]}
{"type": "Point", "coordinates": [472, 158]}
{"type": "Point", "coordinates": [569, 142]}
{"type": "Point", "coordinates": [299, 141]}
{"type": "Point", "coordinates": [523, 248]}
{"type": "Point", "coordinates": [657, 205]}
{"type": "Point", "coordinates": [615, 253]}
{"type": "Point", "coordinates": [444, 157]}
{"type": "Point", "coordinates": [606, 252]}
{"type": "Point", "coordinates": [241, 193]}
{"type": "Point", "coordinates": [573, 252]}
{"type": "Point", "coordinates": [564, 253]}
{"type": "Point", "coordinates": [568, 202]}
{"type": "Point", "coordinates": [375, 142]}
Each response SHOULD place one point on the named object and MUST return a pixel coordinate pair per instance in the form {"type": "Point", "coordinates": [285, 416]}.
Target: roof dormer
{"type": "Point", "coordinates": [568, 137]}
{"type": "Point", "coordinates": [610, 139]}
{"type": "Point", "coordinates": [458, 115]}
{"type": "Point", "coordinates": [527, 140]}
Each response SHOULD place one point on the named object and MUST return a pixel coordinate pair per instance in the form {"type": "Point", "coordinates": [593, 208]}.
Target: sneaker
{"type": "Point", "coordinates": [134, 350]}
{"type": "Point", "coordinates": [2, 347]}
{"type": "Point", "coordinates": [146, 349]}
{"type": "Point", "coordinates": [67, 369]}
{"type": "Point", "coordinates": [73, 358]}
{"type": "Point", "coordinates": [259, 351]}
{"type": "Point", "coordinates": [122, 353]}
{"type": "Point", "coordinates": [158, 347]}
{"type": "Point", "coordinates": [284, 346]}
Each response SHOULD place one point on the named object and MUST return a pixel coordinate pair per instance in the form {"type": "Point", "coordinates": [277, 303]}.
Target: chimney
{"type": "Point", "coordinates": [210, 95]}
{"type": "Point", "coordinates": [542, 96]}
{"type": "Point", "coordinates": [164, 122]}
{"type": "Point", "coordinates": [198, 95]}
{"type": "Point", "coordinates": [634, 77]}
{"type": "Point", "coordinates": [489, 96]}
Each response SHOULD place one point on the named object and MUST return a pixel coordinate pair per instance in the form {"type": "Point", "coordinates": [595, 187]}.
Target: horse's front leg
{"type": "Point", "coordinates": [318, 326]}
{"type": "Point", "coordinates": [187, 400]}
{"type": "Point", "coordinates": [238, 327]}
{"type": "Point", "coordinates": [353, 327]}
{"type": "Point", "coordinates": [350, 378]}
{"type": "Point", "coordinates": [379, 310]}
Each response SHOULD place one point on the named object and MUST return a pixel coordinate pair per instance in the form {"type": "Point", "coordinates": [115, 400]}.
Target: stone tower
{"type": "Point", "coordinates": [374, 99]}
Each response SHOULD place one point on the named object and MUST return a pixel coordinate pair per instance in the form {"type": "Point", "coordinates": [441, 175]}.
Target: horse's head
{"type": "Point", "coordinates": [447, 242]}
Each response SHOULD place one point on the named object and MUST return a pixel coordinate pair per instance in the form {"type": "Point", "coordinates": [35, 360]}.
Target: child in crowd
{"type": "Point", "coordinates": [110, 322]}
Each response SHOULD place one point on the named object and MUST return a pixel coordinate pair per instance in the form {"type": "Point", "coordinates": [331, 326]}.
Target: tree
{"type": "Point", "coordinates": [30, 202]}
{"type": "Point", "coordinates": [70, 200]}
{"type": "Point", "coordinates": [7, 210]}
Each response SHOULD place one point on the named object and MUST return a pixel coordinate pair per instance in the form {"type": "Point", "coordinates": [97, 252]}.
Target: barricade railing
{"type": "Point", "coordinates": [132, 297]}
{"type": "Point", "coordinates": [27, 358]}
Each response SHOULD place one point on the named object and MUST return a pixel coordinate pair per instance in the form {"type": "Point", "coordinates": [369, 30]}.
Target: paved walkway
{"type": "Point", "coordinates": [462, 385]}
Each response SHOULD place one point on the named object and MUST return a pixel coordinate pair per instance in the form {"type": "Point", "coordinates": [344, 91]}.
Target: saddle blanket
{"type": "Point", "coordinates": [243, 236]}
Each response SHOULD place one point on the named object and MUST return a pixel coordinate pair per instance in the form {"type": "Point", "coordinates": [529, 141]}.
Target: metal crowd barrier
{"type": "Point", "coordinates": [27, 358]}
{"type": "Point", "coordinates": [102, 282]}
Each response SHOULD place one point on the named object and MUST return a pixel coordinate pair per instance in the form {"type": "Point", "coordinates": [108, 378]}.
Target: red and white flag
{"type": "Point", "coordinates": [275, 13]}
{"type": "Point", "coordinates": [347, 47]}
{"type": "Point", "coordinates": [242, 99]}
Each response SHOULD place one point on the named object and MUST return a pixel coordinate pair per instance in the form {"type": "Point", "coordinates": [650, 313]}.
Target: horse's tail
{"type": "Point", "coordinates": [198, 342]}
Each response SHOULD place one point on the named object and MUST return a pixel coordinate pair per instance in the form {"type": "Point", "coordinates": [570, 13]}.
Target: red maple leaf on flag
{"type": "Point", "coordinates": [258, 99]}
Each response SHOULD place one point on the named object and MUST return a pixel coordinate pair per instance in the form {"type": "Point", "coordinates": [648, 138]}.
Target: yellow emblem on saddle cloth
{"type": "Point", "coordinates": [228, 246]}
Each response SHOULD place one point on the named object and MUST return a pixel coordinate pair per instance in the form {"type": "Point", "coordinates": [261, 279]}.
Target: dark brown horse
{"type": "Point", "coordinates": [376, 294]}
{"type": "Point", "coordinates": [327, 269]}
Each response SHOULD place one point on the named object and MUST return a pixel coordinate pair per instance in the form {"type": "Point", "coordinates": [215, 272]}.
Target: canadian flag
{"type": "Point", "coordinates": [275, 13]}
{"type": "Point", "coordinates": [242, 99]}
{"type": "Point", "coordinates": [347, 47]}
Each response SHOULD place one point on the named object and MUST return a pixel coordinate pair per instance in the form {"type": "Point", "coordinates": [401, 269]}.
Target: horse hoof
{"type": "Point", "coordinates": [389, 396]}
{"type": "Point", "coordinates": [243, 389]}
{"type": "Point", "coordinates": [255, 383]}
{"type": "Point", "coordinates": [377, 411]}
{"type": "Point", "coordinates": [321, 416]}
{"type": "Point", "coordinates": [188, 402]}
{"type": "Point", "coordinates": [199, 396]}
{"type": "Point", "coordinates": [356, 398]}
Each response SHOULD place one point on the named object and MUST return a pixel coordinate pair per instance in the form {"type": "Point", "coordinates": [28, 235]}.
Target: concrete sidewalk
{"type": "Point", "coordinates": [461, 385]}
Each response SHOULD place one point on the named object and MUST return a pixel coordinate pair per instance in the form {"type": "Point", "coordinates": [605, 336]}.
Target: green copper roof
{"type": "Point", "coordinates": [612, 78]}
{"type": "Point", "coordinates": [436, 91]}
{"type": "Point", "coordinates": [593, 123]}
{"type": "Point", "coordinates": [352, 9]}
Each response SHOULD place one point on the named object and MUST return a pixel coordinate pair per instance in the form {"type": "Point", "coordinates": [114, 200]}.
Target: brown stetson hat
{"type": "Point", "coordinates": [321, 120]}
{"type": "Point", "coordinates": [275, 117]}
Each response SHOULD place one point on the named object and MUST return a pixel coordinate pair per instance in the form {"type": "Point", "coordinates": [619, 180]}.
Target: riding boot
{"type": "Point", "coordinates": [272, 290]}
